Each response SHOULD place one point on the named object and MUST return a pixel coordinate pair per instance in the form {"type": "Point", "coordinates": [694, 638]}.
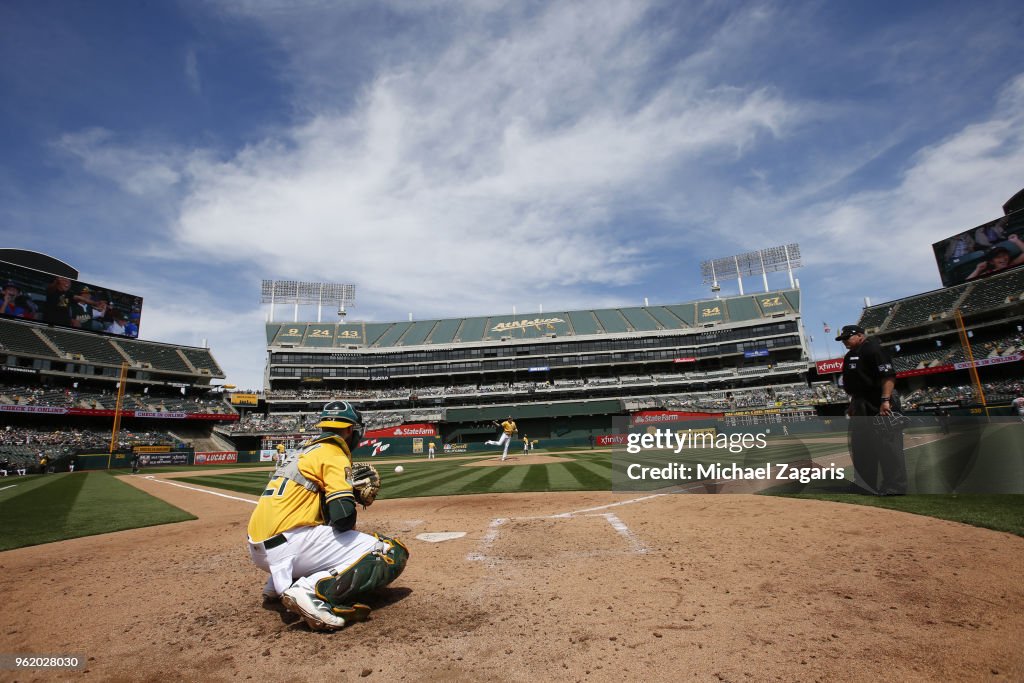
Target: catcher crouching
{"type": "Point", "coordinates": [303, 529]}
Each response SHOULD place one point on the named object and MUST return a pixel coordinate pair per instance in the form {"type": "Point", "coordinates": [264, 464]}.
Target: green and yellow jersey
{"type": "Point", "coordinates": [292, 496]}
{"type": "Point", "coordinates": [508, 426]}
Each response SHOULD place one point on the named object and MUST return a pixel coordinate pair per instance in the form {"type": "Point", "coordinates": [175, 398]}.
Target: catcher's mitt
{"type": "Point", "coordinates": [365, 483]}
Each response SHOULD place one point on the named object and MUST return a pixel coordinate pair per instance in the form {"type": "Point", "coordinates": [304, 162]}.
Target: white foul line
{"type": "Point", "coordinates": [605, 507]}
{"type": "Point", "coordinates": [8, 487]}
{"type": "Point", "coordinates": [621, 527]}
{"type": "Point", "coordinates": [193, 488]}
{"type": "Point", "coordinates": [487, 540]}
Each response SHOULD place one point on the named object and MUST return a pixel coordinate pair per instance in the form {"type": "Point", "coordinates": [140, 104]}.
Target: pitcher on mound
{"type": "Point", "coordinates": [508, 428]}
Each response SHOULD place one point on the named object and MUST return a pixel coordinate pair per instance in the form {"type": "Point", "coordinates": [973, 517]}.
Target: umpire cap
{"type": "Point", "coordinates": [848, 331]}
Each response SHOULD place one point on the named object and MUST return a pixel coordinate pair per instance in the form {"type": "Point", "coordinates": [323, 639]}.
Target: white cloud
{"type": "Point", "coordinates": [138, 170]}
{"type": "Point", "coordinates": [192, 77]}
{"type": "Point", "coordinates": [499, 167]}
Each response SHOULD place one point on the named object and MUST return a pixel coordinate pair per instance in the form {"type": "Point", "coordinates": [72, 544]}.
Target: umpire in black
{"type": "Point", "coordinates": [876, 441]}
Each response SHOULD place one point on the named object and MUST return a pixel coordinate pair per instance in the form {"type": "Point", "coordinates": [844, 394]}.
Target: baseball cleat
{"type": "Point", "coordinates": [313, 611]}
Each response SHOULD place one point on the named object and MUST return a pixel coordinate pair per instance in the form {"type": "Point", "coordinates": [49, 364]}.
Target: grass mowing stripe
{"type": "Point", "coordinates": [436, 486]}
{"type": "Point", "coordinates": [487, 482]}
{"type": "Point", "coordinates": [50, 503]}
{"type": "Point", "coordinates": [536, 479]}
{"type": "Point", "coordinates": [588, 479]}
{"type": "Point", "coordinates": [87, 503]}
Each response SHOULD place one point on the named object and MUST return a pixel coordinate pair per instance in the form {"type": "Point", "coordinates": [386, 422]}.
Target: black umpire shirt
{"type": "Point", "coordinates": [864, 370]}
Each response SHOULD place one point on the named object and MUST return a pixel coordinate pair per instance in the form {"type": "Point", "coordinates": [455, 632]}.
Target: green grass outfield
{"type": "Point", "coordinates": [591, 471]}
{"type": "Point", "coordinates": [41, 509]}
{"type": "Point", "coordinates": [52, 507]}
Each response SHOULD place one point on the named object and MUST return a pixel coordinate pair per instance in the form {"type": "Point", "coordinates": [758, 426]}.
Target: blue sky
{"type": "Point", "coordinates": [462, 158]}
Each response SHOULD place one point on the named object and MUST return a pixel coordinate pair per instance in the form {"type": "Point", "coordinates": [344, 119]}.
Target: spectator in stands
{"type": "Point", "coordinates": [15, 303]}
{"type": "Point", "coordinates": [58, 301]}
{"type": "Point", "coordinates": [131, 327]}
{"type": "Point", "coordinates": [987, 235]}
{"type": "Point", "coordinates": [81, 309]}
{"type": "Point", "coordinates": [999, 259]}
{"type": "Point", "coordinates": [116, 325]}
{"type": "Point", "coordinates": [102, 314]}
{"type": "Point", "coordinates": [960, 246]}
{"type": "Point", "coordinates": [869, 377]}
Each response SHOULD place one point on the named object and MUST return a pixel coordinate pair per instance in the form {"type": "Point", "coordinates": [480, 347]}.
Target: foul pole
{"type": "Point", "coordinates": [965, 342]}
{"type": "Point", "coordinates": [117, 412]}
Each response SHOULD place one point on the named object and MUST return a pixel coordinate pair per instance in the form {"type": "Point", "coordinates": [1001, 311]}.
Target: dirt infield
{"type": "Point", "coordinates": [593, 586]}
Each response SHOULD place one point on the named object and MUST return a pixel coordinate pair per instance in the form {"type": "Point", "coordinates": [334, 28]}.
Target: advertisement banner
{"type": "Point", "coordinates": [647, 417]}
{"type": "Point", "coordinates": [152, 449]}
{"type": "Point", "coordinates": [47, 410]}
{"type": "Point", "coordinates": [217, 458]}
{"type": "Point", "coordinates": [830, 366]}
{"type": "Point", "coordinates": [757, 353]}
{"type": "Point", "coordinates": [417, 446]}
{"type": "Point", "coordinates": [456, 448]}
{"type": "Point", "coordinates": [611, 439]}
{"type": "Point", "coordinates": [402, 431]}
{"type": "Point", "coordinates": [245, 399]}
{"type": "Point", "coordinates": [268, 455]}
{"type": "Point", "coordinates": [165, 459]}
{"type": "Point", "coordinates": [103, 412]}
{"type": "Point", "coordinates": [685, 359]}
{"type": "Point", "coordinates": [982, 362]}
{"type": "Point", "coordinates": [925, 371]}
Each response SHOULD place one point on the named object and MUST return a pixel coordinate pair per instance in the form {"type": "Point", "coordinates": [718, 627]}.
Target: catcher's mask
{"type": "Point", "coordinates": [339, 415]}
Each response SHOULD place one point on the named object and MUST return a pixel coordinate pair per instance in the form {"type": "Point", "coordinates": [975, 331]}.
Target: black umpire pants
{"type": "Point", "coordinates": [876, 446]}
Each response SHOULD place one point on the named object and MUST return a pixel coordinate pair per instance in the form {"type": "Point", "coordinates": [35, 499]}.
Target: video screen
{"type": "Point", "coordinates": [977, 253]}
{"type": "Point", "coordinates": [33, 295]}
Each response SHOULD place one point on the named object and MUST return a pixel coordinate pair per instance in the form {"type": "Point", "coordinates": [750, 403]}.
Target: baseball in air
{"type": "Point", "coordinates": [399, 469]}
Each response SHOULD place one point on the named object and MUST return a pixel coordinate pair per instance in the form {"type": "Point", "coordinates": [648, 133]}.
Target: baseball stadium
{"type": "Point", "coordinates": [501, 445]}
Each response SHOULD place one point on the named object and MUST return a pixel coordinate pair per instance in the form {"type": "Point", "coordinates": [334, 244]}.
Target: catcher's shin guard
{"type": "Point", "coordinates": [375, 569]}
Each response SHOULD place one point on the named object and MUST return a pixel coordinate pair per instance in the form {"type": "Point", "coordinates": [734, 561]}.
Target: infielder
{"type": "Point", "coordinates": [508, 427]}
{"type": "Point", "coordinates": [302, 531]}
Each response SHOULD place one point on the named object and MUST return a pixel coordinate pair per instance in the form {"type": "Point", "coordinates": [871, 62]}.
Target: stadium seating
{"type": "Point", "coordinates": [22, 338]}
{"type": "Point", "coordinates": [90, 348]}
{"type": "Point", "coordinates": [874, 317]}
{"type": "Point", "coordinates": [160, 357]}
{"type": "Point", "coordinates": [641, 319]}
{"type": "Point", "coordinates": [202, 359]}
{"type": "Point", "coordinates": [742, 308]}
{"type": "Point", "coordinates": [921, 309]}
{"type": "Point", "coordinates": [994, 292]}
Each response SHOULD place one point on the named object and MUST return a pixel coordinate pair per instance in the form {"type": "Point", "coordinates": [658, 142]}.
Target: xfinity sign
{"type": "Point", "coordinates": [830, 367]}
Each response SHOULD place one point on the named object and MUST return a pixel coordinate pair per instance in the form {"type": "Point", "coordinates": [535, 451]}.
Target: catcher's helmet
{"type": "Point", "coordinates": [338, 415]}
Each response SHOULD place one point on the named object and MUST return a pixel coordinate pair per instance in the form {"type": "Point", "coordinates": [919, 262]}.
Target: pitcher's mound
{"type": "Point", "coordinates": [517, 460]}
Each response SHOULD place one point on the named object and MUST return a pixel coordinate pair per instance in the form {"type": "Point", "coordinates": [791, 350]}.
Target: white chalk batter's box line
{"type": "Point", "coordinates": [636, 545]}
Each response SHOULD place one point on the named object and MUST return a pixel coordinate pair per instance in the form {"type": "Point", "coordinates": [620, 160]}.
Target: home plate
{"type": "Point", "coordinates": [439, 536]}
